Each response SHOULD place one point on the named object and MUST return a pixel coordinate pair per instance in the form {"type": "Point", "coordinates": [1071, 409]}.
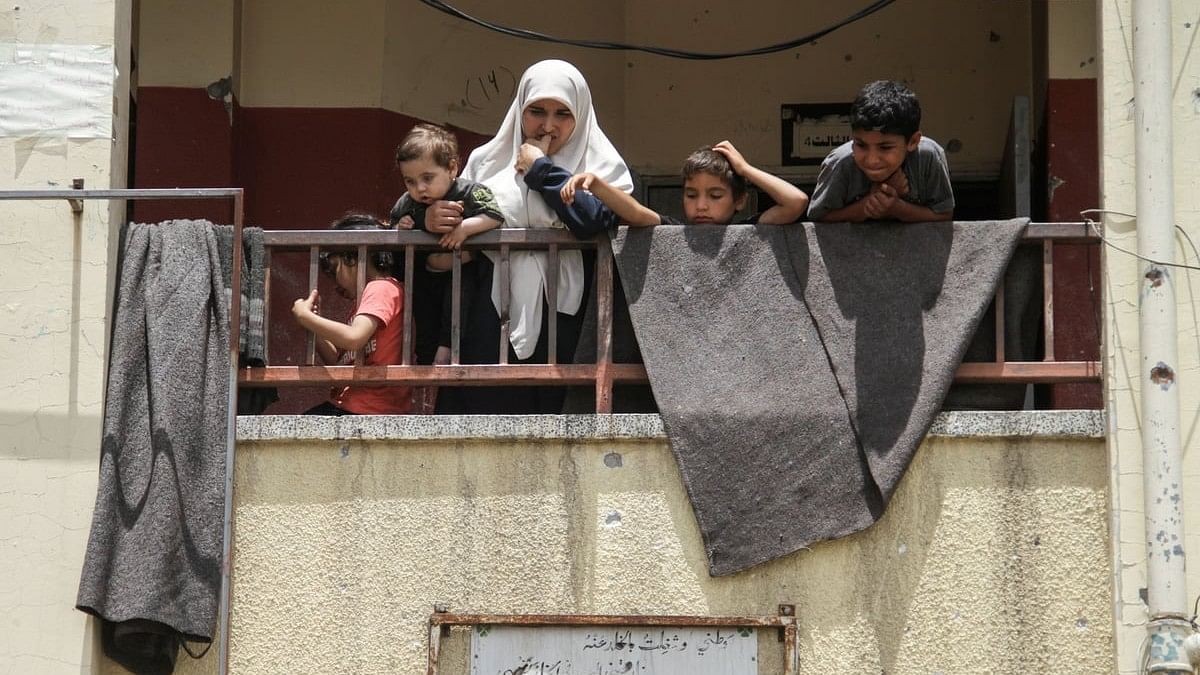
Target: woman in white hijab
{"type": "Point", "coordinates": [549, 134]}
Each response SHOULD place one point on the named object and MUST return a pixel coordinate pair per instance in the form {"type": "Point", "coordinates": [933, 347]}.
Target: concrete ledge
{"type": "Point", "coordinates": [1043, 424]}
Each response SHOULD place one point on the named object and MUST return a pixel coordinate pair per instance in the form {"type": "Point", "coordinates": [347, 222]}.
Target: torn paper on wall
{"type": "Point", "coordinates": [56, 90]}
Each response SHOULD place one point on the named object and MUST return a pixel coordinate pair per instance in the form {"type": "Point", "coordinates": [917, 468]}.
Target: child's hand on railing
{"type": "Point", "coordinates": [406, 223]}
{"type": "Point", "coordinates": [454, 239]}
{"type": "Point", "coordinates": [878, 204]}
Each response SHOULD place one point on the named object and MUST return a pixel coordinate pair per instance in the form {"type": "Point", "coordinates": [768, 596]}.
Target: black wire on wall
{"type": "Point", "coordinates": [660, 51]}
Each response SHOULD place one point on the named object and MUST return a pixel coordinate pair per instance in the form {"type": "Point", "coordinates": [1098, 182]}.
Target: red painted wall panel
{"type": "Point", "coordinates": [182, 138]}
{"type": "Point", "coordinates": [1073, 170]}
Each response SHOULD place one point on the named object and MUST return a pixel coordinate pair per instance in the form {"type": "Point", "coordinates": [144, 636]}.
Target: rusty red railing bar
{"type": "Point", "coordinates": [456, 321]}
{"type": "Point", "coordinates": [552, 303]}
{"type": "Point", "coordinates": [470, 374]}
{"type": "Point", "coordinates": [1038, 372]}
{"type": "Point", "coordinates": [505, 304]}
{"type": "Point", "coordinates": [406, 344]}
{"type": "Point", "coordinates": [360, 282]}
{"type": "Point", "coordinates": [1048, 299]}
{"type": "Point", "coordinates": [999, 305]}
{"type": "Point", "coordinates": [310, 356]}
{"type": "Point", "coordinates": [266, 327]}
{"type": "Point", "coordinates": [604, 311]}
{"type": "Point", "coordinates": [298, 240]}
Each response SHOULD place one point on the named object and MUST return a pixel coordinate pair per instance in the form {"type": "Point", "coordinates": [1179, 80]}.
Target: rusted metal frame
{"type": "Point", "coordinates": [125, 193]}
{"type": "Point", "coordinates": [456, 308]}
{"type": "Point", "coordinates": [406, 343]}
{"type": "Point", "coordinates": [440, 621]}
{"type": "Point", "coordinates": [465, 375]}
{"type": "Point", "coordinates": [604, 313]}
{"type": "Point", "coordinates": [361, 284]}
{"type": "Point", "coordinates": [435, 648]}
{"type": "Point", "coordinates": [552, 303]}
{"type": "Point", "coordinates": [225, 603]}
{"type": "Point", "coordinates": [1039, 372]}
{"type": "Point", "coordinates": [266, 296]}
{"type": "Point", "coordinates": [314, 253]}
{"type": "Point", "coordinates": [450, 619]}
{"type": "Point", "coordinates": [791, 662]}
{"type": "Point", "coordinates": [538, 239]}
{"type": "Point", "coordinates": [75, 197]}
{"type": "Point", "coordinates": [505, 302]}
{"type": "Point", "coordinates": [1062, 233]}
{"type": "Point", "coordinates": [1048, 298]}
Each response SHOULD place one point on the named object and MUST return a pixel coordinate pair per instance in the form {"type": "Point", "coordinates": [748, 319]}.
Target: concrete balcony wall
{"type": "Point", "coordinates": [992, 557]}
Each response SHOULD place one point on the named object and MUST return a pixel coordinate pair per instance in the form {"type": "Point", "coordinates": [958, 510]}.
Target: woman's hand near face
{"type": "Point", "coordinates": [443, 216]}
{"type": "Point", "coordinates": [531, 151]}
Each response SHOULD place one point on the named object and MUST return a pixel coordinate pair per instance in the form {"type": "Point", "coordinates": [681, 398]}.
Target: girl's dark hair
{"type": "Point", "coordinates": [886, 106]}
{"type": "Point", "coordinates": [383, 260]}
{"type": "Point", "coordinates": [709, 161]}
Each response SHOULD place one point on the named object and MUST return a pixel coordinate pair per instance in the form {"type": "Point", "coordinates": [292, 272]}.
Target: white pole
{"type": "Point", "coordinates": [1162, 458]}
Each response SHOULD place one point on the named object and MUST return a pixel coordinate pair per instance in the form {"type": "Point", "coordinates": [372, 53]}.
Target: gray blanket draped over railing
{"type": "Point", "coordinates": [152, 566]}
{"type": "Point", "coordinates": [798, 368]}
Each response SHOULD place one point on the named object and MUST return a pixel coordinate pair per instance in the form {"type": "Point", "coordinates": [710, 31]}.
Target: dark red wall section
{"type": "Point", "coordinates": [1073, 184]}
{"type": "Point", "coordinates": [182, 138]}
{"type": "Point", "coordinates": [302, 168]}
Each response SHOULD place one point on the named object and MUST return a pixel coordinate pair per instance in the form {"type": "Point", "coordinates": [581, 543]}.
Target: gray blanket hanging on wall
{"type": "Point", "coordinates": [798, 368]}
{"type": "Point", "coordinates": [152, 568]}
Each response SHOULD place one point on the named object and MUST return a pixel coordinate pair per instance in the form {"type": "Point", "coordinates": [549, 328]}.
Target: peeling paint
{"type": "Point", "coordinates": [613, 460]}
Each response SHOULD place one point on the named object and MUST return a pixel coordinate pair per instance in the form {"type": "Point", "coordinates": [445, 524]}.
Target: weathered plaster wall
{"type": "Point", "coordinates": [991, 558]}
{"type": "Point", "coordinates": [1122, 287]}
{"type": "Point", "coordinates": [966, 59]}
{"type": "Point", "coordinates": [54, 287]}
{"type": "Point", "coordinates": [975, 56]}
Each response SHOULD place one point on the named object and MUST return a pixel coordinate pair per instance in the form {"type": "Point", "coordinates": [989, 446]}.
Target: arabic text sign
{"type": "Point", "coordinates": [56, 90]}
{"type": "Point", "coordinates": [811, 130]}
{"type": "Point", "coordinates": [613, 650]}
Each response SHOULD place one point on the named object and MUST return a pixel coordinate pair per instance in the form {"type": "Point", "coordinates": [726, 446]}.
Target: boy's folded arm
{"type": "Point", "coordinates": [586, 217]}
{"type": "Point", "coordinates": [850, 213]}
{"type": "Point", "coordinates": [908, 212]}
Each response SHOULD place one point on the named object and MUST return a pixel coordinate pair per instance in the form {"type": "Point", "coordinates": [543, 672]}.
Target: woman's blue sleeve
{"type": "Point", "coordinates": [586, 217]}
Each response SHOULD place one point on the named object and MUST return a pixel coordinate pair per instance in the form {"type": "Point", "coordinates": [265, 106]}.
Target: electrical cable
{"type": "Point", "coordinates": [1092, 225]}
{"type": "Point", "coordinates": [524, 34]}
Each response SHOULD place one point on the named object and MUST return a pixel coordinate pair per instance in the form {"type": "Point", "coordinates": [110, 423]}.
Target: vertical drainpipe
{"type": "Point", "coordinates": [1162, 459]}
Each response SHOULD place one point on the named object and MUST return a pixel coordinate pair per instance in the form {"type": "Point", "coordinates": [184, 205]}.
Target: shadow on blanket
{"type": "Point", "coordinates": [798, 368]}
{"type": "Point", "coordinates": [151, 573]}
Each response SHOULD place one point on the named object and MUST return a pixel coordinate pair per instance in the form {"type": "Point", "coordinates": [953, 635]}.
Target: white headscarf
{"type": "Point", "coordinates": [492, 164]}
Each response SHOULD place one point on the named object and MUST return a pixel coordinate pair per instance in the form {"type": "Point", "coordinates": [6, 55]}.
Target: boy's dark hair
{"type": "Point", "coordinates": [886, 106]}
{"type": "Point", "coordinates": [428, 139]}
{"type": "Point", "coordinates": [383, 260]}
{"type": "Point", "coordinates": [709, 161]}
